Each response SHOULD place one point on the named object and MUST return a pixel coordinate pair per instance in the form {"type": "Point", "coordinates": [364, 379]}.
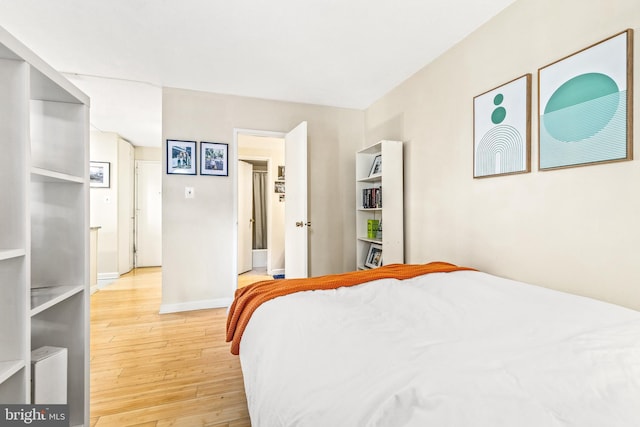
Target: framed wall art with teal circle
{"type": "Point", "coordinates": [585, 106]}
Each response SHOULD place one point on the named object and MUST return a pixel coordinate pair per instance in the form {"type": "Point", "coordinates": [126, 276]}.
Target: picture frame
{"type": "Point", "coordinates": [374, 256]}
{"type": "Point", "coordinates": [99, 174]}
{"type": "Point", "coordinates": [280, 173]}
{"type": "Point", "coordinates": [376, 165]}
{"type": "Point", "coordinates": [181, 157]}
{"type": "Point", "coordinates": [585, 106]}
{"type": "Point", "coordinates": [214, 158]}
{"type": "Point", "coordinates": [278, 187]}
{"type": "Point", "coordinates": [502, 129]}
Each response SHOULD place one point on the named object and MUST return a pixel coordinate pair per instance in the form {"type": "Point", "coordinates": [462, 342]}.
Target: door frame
{"type": "Point", "coordinates": [234, 159]}
{"type": "Point", "coordinates": [136, 216]}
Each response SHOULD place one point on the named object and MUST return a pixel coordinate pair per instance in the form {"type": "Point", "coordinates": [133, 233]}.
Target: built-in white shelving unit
{"type": "Point", "coordinates": [44, 224]}
{"type": "Point", "coordinates": [386, 185]}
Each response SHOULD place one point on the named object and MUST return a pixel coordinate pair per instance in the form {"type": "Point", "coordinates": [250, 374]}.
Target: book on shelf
{"type": "Point", "coordinates": [372, 198]}
{"type": "Point", "coordinates": [372, 228]}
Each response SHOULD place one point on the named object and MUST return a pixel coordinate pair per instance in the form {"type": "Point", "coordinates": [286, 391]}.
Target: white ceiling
{"type": "Point", "coordinates": [344, 53]}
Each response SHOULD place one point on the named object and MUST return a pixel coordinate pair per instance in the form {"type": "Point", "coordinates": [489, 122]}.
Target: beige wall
{"type": "Point", "coordinates": [576, 229]}
{"type": "Point", "coordinates": [148, 153]}
{"type": "Point", "coordinates": [198, 234]}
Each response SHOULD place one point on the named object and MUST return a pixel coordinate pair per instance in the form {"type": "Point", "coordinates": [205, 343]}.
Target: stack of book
{"type": "Point", "coordinates": [372, 198]}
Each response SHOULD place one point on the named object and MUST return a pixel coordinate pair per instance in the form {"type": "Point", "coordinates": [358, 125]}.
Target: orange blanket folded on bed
{"type": "Point", "coordinates": [249, 298]}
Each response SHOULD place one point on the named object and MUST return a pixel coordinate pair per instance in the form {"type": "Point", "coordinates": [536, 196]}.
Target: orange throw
{"type": "Point", "coordinates": [249, 298]}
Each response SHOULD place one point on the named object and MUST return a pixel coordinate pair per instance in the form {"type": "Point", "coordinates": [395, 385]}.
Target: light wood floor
{"type": "Point", "coordinates": [158, 370]}
{"type": "Point", "coordinates": [251, 277]}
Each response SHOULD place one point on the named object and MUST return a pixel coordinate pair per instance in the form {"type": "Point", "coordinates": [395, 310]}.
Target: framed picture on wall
{"type": "Point", "coordinates": [214, 159]}
{"type": "Point", "coordinates": [99, 174]}
{"type": "Point", "coordinates": [502, 129]}
{"type": "Point", "coordinates": [585, 106]}
{"type": "Point", "coordinates": [181, 157]}
{"type": "Point", "coordinates": [374, 257]}
{"type": "Point", "coordinates": [278, 187]}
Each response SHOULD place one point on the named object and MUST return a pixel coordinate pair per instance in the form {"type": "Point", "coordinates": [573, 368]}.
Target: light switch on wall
{"type": "Point", "coordinates": [188, 192]}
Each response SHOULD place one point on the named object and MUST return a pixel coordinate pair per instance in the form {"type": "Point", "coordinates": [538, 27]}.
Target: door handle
{"type": "Point", "coordinates": [302, 224]}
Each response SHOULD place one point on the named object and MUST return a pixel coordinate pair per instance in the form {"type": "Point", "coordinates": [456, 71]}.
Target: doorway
{"type": "Point", "coordinates": [260, 206]}
{"type": "Point", "coordinates": [290, 195]}
{"type": "Point", "coordinates": [148, 214]}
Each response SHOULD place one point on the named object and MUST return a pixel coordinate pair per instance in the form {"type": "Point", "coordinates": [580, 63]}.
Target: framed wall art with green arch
{"type": "Point", "coordinates": [502, 129]}
{"type": "Point", "coordinates": [585, 106]}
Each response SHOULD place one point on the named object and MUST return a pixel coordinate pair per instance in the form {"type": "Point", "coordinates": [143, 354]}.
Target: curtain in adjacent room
{"type": "Point", "coordinates": [260, 210]}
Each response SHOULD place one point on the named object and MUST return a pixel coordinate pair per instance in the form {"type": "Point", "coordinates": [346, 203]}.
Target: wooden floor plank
{"type": "Point", "coordinates": [153, 370]}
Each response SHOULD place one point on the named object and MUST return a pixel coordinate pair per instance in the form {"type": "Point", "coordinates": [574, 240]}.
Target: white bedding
{"type": "Point", "coordinates": [463, 349]}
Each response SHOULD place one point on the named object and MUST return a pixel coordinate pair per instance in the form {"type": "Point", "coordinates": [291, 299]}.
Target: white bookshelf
{"type": "Point", "coordinates": [391, 211]}
{"type": "Point", "coordinates": [44, 225]}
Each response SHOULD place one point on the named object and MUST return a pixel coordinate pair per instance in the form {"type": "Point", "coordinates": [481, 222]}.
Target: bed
{"type": "Point", "coordinates": [453, 347]}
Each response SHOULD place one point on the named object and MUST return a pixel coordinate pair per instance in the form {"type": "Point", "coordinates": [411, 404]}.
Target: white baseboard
{"type": "Point", "coordinates": [108, 276]}
{"type": "Point", "coordinates": [195, 305]}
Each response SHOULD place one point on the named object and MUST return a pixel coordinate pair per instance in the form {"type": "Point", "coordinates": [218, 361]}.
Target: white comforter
{"type": "Point", "coordinates": [463, 349]}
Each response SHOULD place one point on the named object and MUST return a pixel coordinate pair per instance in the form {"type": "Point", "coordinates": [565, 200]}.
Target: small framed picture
{"type": "Point", "coordinates": [214, 159]}
{"type": "Point", "coordinates": [181, 157]}
{"type": "Point", "coordinates": [374, 257]}
{"type": "Point", "coordinates": [99, 174]}
{"type": "Point", "coordinates": [376, 166]}
{"type": "Point", "coordinates": [279, 187]}
{"type": "Point", "coordinates": [280, 173]}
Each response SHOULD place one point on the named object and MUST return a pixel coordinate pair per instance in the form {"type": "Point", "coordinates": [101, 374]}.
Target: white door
{"type": "Point", "coordinates": [245, 216]}
{"type": "Point", "coordinates": [295, 216]}
{"type": "Point", "coordinates": [148, 214]}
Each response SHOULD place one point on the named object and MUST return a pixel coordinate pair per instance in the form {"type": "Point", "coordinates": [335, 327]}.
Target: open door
{"type": "Point", "coordinates": [296, 221]}
{"type": "Point", "coordinates": [245, 216]}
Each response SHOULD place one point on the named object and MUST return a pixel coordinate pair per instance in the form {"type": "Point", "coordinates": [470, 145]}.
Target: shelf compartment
{"type": "Point", "coordinates": [56, 128]}
{"type": "Point", "coordinates": [43, 298]}
{"type": "Point", "coordinates": [13, 388]}
{"type": "Point", "coordinates": [9, 368]}
{"type": "Point", "coordinates": [14, 307]}
{"type": "Point", "coordinates": [11, 253]}
{"type": "Point", "coordinates": [59, 326]}
{"type": "Point", "coordinates": [14, 109]}
{"type": "Point", "coordinates": [45, 175]}
{"type": "Point", "coordinates": [58, 215]}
